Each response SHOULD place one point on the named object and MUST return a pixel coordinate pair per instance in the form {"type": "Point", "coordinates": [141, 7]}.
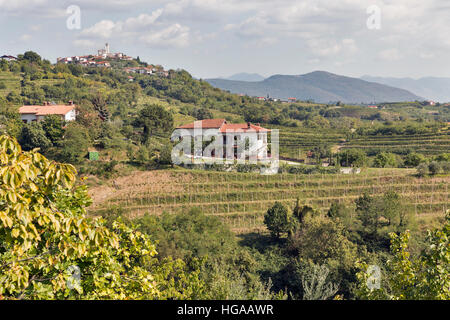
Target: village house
{"type": "Point", "coordinates": [8, 58]}
{"type": "Point", "coordinates": [230, 134]}
{"type": "Point", "coordinates": [91, 60]}
{"type": "Point", "coordinates": [38, 113]}
{"type": "Point", "coordinates": [140, 70]}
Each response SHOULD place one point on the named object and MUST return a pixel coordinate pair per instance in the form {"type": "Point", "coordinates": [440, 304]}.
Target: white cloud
{"type": "Point", "coordinates": [390, 54]}
{"type": "Point", "coordinates": [174, 36]}
{"type": "Point", "coordinates": [102, 29]}
{"type": "Point", "coordinates": [144, 28]}
{"type": "Point", "coordinates": [25, 37]}
{"type": "Point", "coordinates": [84, 43]}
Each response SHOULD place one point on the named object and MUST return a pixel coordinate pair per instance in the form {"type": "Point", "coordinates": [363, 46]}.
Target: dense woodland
{"type": "Point", "coordinates": [304, 252]}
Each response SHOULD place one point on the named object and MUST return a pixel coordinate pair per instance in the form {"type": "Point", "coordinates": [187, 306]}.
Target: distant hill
{"type": "Point", "coordinates": [252, 77]}
{"type": "Point", "coordinates": [320, 86]}
{"type": "Point", "coordinates": [437, 89]}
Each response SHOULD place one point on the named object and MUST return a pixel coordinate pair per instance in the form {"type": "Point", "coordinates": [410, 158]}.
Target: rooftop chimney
{"type": "Point", "coordinates": [248, 124]}
{"type": "Point", "coordinates": [70, 103]}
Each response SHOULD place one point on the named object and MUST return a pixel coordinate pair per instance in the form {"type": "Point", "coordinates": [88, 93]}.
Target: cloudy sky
{"type": "Point", "coordinates": [213, 38]}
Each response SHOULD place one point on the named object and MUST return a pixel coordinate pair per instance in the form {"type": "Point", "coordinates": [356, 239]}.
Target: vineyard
{"type": "Point", "coordinates": [295, 144]}
{"type": "Point", "coordinates": [428, 144]}
{"type": "Point", "coordinates": [241, 199]}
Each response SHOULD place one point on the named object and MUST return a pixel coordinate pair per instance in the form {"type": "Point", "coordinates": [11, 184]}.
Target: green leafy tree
{"type": "Point", "coordinates": [434, 168]}
{"type": "Point", "coordinates": [368, 214]}
{"type": "Point", "coordinates": [46, 237]}
{"type": "Point", "coordinates": [353, 158]}
{"type": "Point", "coordinates": [31, 56]}
{"type": "Point", "coordinates": [53, 127]}
{"type": "Point", "coordinates": [385, 160]}
{"type": "Point", "coordinates": [412, 278]}
{"type": "Point", "coordinates": [277, 220]}
{"type": "Point", "coordinates": [321, 241]}
{"type": "Point", "coordinates": [414, 159]}
{"type": "Point", "coordinates": [74, 147]}
{"type": "Point", "coordinates": [33, 136]}
{"type": "Point", "coordinates": [154, 119]}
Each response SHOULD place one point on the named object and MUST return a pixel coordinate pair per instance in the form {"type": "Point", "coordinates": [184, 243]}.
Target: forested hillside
{"type": "Point", "coordinates": [319, 86]}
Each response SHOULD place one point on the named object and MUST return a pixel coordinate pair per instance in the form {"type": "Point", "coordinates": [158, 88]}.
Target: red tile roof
{"type": "Point", "coordinates": [46, 110]}
{"type": "Point", "coordinates": [206, 124]}
{"type": "Point", "coordinates": [242, 127]}
{"type": "Point", "coordinates": [224, 126]}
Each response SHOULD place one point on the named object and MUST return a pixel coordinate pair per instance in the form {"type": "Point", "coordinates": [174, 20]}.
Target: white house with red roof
{"type": "Point", "coordinates": [38, 113]}
{"type": "Point", "coordinates": [234, 138]}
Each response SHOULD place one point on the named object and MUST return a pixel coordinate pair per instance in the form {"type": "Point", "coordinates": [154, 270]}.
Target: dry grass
{"type": "Point", "coordinates": [153, 181]}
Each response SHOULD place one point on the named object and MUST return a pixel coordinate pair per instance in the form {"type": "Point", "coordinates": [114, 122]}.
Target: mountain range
{"type": "Point", "coordinates": [243, 76]}
{"type": "Point", "coordinates": [319, 86]}
{"type": "Point", "coordinates": [434, 88]}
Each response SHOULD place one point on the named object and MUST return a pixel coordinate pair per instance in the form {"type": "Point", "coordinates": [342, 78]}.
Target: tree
{"type": "Point", "coordinates": [414, 159]}
{"type": "Point", "coordinates": [322, 241]}
{"type": "Point", "coordinates": [300, 212]}
{"type": "Point", "coordinates": [202, 113]}
{"type": "Point", "coordinates": [381, 215]}
{"type": "Point", "coordinates": [422, 170]}
{"type": "Point", "coordinates": [315, 284]}
{"type": "Point", "coordinates": [353, 158]}
{"type": "Point", "coordinates": [53, 127]}
{"type": "Point", "coordinates": [52, 250]}
{"type": "Point", "coordinates": [277, 220]}
{"type": "Point", "coordinates": [412, 278]}
{"type": "Point", "coordinates": [368, 214]}
{"type": "Point", "coordinates": [100, 105]}
{"type": "Point", "coordinates": [154, 119]}
{"type": "Point", "coordinates": [31, 56]}
{"type": "Point", "coordinates": [33, 136]}
{"type": "Point", "coordinates": [75, 144]}
{"type": "Point", "coordinates": [434, 167]}
{"type": "Point", "coordinates": [385, 160]}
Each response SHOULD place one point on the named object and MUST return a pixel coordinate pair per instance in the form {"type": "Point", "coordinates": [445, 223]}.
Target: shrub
{"type": "Point", "coordinates": [277, 220]}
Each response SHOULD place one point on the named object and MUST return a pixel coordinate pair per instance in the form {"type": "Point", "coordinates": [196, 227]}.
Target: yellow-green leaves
{"type": "Point", "coordinates": [45, 232]}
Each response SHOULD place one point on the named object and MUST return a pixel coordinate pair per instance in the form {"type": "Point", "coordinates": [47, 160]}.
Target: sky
{"type": "Point", "coordinates": [218, 38]}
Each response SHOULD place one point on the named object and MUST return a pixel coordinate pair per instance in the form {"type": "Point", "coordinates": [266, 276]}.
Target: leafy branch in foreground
{"type": "Point", "coordinates": [424, 277]}
{"type": "Point", "coordinates": [44, 232]}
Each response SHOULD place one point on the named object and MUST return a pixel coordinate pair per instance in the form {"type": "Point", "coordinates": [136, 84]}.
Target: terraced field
{"type": "Point", "coordinates": [428, 144]}
{"type": "Point", "coordinates": [241, 199]}
{"type": "Point", "coordinates": [296, 143]}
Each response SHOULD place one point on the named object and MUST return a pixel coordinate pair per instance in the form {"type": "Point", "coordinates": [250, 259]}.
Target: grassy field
{"type": "Point", "coordinates": [241, 199]}
{"type": "Point", "coordinates": [11, 82]}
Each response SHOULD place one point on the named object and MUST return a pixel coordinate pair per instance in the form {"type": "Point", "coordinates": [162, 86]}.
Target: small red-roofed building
{"type": "Point", "coordinates": [38, 113]}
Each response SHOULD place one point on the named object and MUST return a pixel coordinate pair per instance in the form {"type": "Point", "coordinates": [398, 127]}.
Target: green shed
{"type": "Point", "coordinates": [93, 155]}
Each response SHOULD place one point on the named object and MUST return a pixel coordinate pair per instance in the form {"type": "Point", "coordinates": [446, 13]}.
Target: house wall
{"type": "Point", "coordinates": [71, 115]}
{"type": "Point", "coordinates": [28, 117]}
{"type": "Point", "coordinates": [257, 143]}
